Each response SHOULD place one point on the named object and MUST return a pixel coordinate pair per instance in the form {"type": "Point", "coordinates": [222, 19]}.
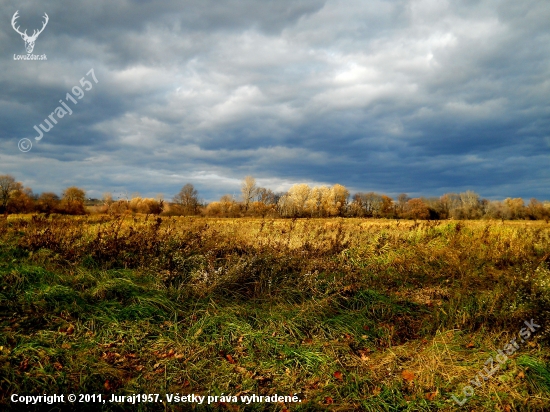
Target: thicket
{"type": "Point", "coordinates": [300, 201]}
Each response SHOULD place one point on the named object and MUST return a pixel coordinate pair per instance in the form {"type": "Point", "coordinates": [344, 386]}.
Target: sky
{"type": "Point", "coordinates": [423, 97]}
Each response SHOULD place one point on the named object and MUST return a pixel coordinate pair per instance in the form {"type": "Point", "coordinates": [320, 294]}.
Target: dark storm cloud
{"type": "Point", "coordinates": [417, 96]}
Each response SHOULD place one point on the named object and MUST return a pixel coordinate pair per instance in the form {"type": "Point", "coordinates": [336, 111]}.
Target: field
{"type": "Point", "coordinates": [348, 314]}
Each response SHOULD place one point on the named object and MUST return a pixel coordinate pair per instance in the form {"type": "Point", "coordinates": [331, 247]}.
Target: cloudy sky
{"type": "Point", "coordinates": [416, 96]}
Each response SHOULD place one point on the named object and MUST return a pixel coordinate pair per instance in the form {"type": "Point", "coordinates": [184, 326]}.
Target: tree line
{"type": "Point", "coordinates": [300, 201]}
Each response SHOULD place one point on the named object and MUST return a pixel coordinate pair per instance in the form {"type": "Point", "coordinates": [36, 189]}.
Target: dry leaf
{"type": "Point", "coordinates": [407, 375]}
{"type": "Point", "coordinates": [242, 370]}
{"type": "Point", "coordinates": [230, 359]}
{"type": "Point", "coordinates": [24, 365]}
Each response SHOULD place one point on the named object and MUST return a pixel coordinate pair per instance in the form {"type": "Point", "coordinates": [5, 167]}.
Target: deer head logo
{"type": "Point", "coordinates": [29, 40]}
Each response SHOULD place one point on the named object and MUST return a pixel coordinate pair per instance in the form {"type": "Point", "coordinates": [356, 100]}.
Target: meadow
{"type": "Point", "coordinates": [346, 314]}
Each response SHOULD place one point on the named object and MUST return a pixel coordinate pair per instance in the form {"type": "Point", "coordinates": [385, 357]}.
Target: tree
{"type": "Point", "coordinates": [267, 196]}
{"type": "Point", "coordinates": [416, 209]}
{"type": "Point", "coordinates": [188, 199]}
{"type": "Point", "coordinates": [249, 191]}
{"type": "Point", "coordinates": [401, 205]}
{"type": "Point", "coordinates": [295, 202]}
{"type": "Point", "coordinates": [21, 200]}
{"type": "Point", "coordinates": [387, 208]}
{"type": "Point", "coordinates": [471, 205]}
{"type": "Point", "coordinates": [535, 210]}
{"type": "Point", "coordinates": [73, 201]}
{"type": "Point", "coordinates": [340, 196]}
{"type": "Point", "coordinates": [7, 187]}
{"type": "Point", "coordinates": [515, 208]}
{"type": "Point", "coordinates": [366, 204]}
{"type": "Point", "coordinates": [48, 202]}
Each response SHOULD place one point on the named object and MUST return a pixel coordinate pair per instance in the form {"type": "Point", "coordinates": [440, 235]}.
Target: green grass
{"type": "Point", "coordinates": [242, 307]}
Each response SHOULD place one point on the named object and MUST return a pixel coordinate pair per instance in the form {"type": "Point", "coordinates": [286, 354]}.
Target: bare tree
{"type": "Point", "coordinates": [267, 196]}
{"type": "Point", "coordinates": [401, 205]}
{"type": "Point", "coordinates": [188, 199]}
{"type": "Point", "coordinates": [249, 191]}
{"type": "Point", "coordinates": [7, 186]}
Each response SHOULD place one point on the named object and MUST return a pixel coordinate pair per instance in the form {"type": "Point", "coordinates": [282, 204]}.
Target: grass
{"type": "Point", "coordinates": [349, 314]}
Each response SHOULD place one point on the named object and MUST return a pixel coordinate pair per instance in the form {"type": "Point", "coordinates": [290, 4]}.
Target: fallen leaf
{"type": "Point", "coordinates": [363, 354]}
{"type": "Point", "coordinates": [338, 376]}
{"type": "Point", "coordinates": [24, 365]}
{"type": "Point", "coordinates": [230, 359]}
{"type": "Point", "coordinates": [407, 375]}
{"type": "Point", "coordinates": [242, 370]}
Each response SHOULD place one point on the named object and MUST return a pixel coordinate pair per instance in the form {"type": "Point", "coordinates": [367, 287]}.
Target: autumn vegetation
{"type": "Point", "coordinates": [355, 303]}
{"type": "Point", "coordinates": [300, 201]}
{"type": "Point", "coordinates": [350, 314]}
